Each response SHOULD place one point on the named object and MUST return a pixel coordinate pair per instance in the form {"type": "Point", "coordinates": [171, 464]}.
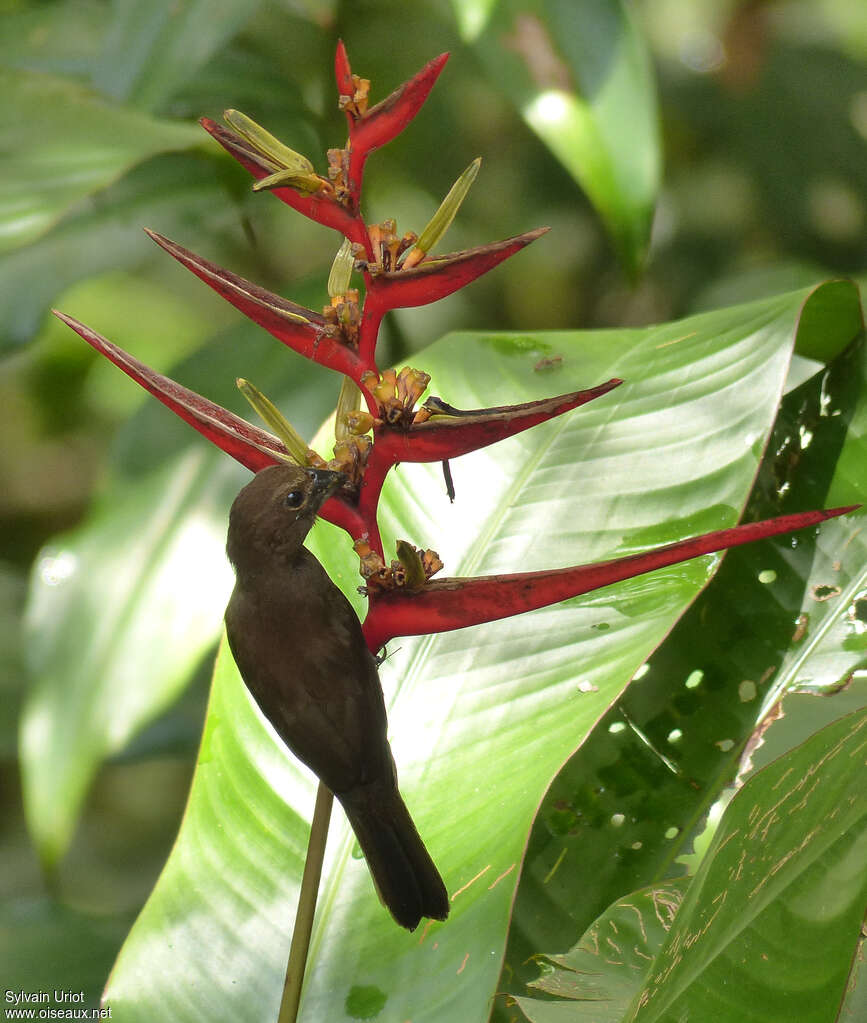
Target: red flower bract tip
{"type": "Point", "coordinates": [447, 604]}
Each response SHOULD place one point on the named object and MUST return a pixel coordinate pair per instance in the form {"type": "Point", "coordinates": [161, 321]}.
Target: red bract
{"type": "Point", "coordinates": [253, 448]}
{"type": "Point", "coordinates": [323, 209]}
{"type": "Point", "coordinates": [439, 276]}
{"type": "Point", "coordinates": [343, 75]}
{"type": "Point", "coordinates": [449, 436]}
{"type": "Point", "coordinates": [434, 278]}
{"type": "Point", "coordinates": [387, 119]}
{"type": "Point", "coordinates": [444, 605]}
{"type": "Point", "coordinates": [444, 437]}
{"type": "Point", "coordinates": [302, 330]}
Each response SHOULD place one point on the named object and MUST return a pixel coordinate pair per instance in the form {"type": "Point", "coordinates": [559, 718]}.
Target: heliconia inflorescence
{"type": "Point", "coordinates": [398, 271]}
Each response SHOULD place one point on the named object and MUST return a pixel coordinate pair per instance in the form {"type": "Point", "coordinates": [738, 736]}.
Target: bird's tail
{"type": "Point", "coordinates": [405, 877]}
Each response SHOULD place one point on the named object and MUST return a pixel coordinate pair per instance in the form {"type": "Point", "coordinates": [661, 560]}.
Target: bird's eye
{"type": "Point", "coordinates": [294, 499]}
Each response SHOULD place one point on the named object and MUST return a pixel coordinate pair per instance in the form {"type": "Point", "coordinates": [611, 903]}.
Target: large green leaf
{"type": "Point", "coordinates": [152, 49]}
{"type": "Point", "coordinates": [60, 142]}
{"type": "Point", "coordinates": [481, 719]}
{"type": "Point", "coordinates": [123, 608]}
{"type": "Point", "coordinates": [769, 925]}
{"type": "Point", "coordinates": [580, 74]}
{"type": "Point", "coordinates": [624, 809]}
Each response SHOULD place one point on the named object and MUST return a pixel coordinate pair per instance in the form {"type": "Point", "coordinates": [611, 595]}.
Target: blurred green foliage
{"type": "Point", "coordinates": [763, 113]}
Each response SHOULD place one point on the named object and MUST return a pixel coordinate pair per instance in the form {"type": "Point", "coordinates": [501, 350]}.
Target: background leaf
{"type": "Point", "coordinates": [59, 142]}
{"type": "Point", "coordinates": [103, 235]}
{"type": "Point", "coordinates": [150, 50]}
{"type": "Point", "coordinates": [789, 855]}
{"type": "Point", "coordinates": [56, 947]}
{"type": "Point", "coordinates": [581, 77]}
{"type": "Point", "coordinates": [481, 719]}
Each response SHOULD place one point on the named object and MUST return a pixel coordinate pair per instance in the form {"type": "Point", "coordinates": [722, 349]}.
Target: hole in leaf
{"type": "Point", "coordinates": [693, 680]}
{"type": "Point", "coordinates": [857, 614]}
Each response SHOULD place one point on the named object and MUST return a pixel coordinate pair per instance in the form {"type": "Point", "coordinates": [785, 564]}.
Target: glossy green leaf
{"type": "Point", "coordinates": [150, 50]}
{"type": "Point", "coordinates": [580, 74]}
{"type": "Point", "coordinates": [827, 317]}
{"type": "Point", "coordinates": [60, 142]}
{"type": "Point", "coordinates": [831, 644]}
{"type": "Point", "coordinates": [122, 609]}
{"type": "Point", "coordinates": [480, 719]}
{"type": "Point", "coordinates": [625, 808]}
{"type": "Point", "coordinates": [768, 926]}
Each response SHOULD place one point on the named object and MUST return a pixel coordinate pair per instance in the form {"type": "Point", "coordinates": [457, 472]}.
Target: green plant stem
{"type": "Point", "coordinates": [306, 907]}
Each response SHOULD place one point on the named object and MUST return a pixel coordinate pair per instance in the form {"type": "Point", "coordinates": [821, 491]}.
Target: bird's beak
{"type": "Point", "coordinates": [325, 482]}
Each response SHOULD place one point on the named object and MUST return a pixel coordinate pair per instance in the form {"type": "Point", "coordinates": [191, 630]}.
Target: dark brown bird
{"type": "Point", "coordinates": [301, 652]}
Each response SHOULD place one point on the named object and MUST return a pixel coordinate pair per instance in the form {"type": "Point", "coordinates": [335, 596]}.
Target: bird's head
{"type": "Point", "coordinates": [273, 513]}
